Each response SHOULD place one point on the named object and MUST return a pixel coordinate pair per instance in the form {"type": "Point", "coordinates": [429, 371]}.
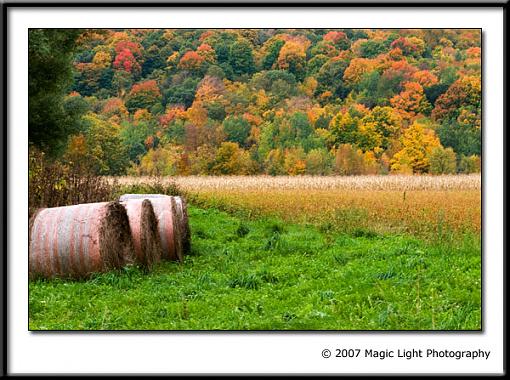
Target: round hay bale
{"type": "Point", "coordinates": [182, 218]}
{"type": "Point", "coordinates": [126, 197]}
{"type": "Point", "coordinates": [76, 241]}
{"type": "Point", "coordinates": [168, 226]}
{"type": "Point", "coordinates": [182, 212]}
{"type": "Point", "coordinates": [144, 231]}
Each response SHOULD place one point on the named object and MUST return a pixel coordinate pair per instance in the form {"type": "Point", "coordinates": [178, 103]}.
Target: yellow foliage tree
{"type": "Point", "coordinates": [142, 114]}
{"type": "Point", "coordinates": [370, 164]}
{"type": "Point", "coordinates": [368, 136]}
{"type": "Point", "coordinates": [383, 122]}
{"type": "Point", "coordinates": [197, 114]}
{"type": "Point", "coordinates": [417, 145]}
{"type": "Point", "coordinates": [231, 159]}
{"type": "Point", "coordinates": [102, 59]}
{"type": "Point", "coordinates": [160, 161]}
{"type": "Point", "coordinates": [292, 57]}
{"type": "Point", "coordinates": [309, 86]}
{"type": "Point", "coordinates": [357, 68]}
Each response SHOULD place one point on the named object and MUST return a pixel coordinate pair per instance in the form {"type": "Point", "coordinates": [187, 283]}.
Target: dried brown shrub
{"type": "Point", "coordinates": [54, 184]}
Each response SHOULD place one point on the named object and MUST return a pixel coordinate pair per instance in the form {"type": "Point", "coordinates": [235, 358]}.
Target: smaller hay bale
{"type": "Point", "coordinates": [144, 231]}
{"type": "Point", "coordinates": [168, 226]}
{"type": "Point", "coordinates": [77, 241]}
{"type": "Point", "coordinates": [126, 197]}
{"type": "Point", "coordinates": [182, 212]}
{"type": "Point", "coordinates": [182, 245]}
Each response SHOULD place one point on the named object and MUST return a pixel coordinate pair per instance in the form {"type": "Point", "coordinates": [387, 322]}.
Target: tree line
{"type": "Point", "coordinates": [251, 101]}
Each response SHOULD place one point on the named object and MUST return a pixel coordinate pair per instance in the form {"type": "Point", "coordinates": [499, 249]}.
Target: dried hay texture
{"type": "Point", "coordinates": [77, 241]}
{"type": "Point", "coordinates": [168, 226]}
{"type": "Point", "coordinates": [182, 244]}
{"type": "Point", "coordinates": [182, 212]}
{"type": "Point", "coordinates": [144, 231]}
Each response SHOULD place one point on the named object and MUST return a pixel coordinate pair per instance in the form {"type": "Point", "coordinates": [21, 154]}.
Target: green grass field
{"type": "Point", "coordinates": [264, 274]}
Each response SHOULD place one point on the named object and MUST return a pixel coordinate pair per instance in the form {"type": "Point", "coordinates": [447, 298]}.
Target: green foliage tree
{"type": "Point", "coordinates": [330, 78]}
{"type": "Point", "coordinates": [273, 50]}
{"type": "Point", "coordinates": [344, 128]}
{"type": "Point", "coordinates": [154, 59]}
{"type": "Point", "coordinates": [470, 164]}
{"type": "Point", "coordinates": [314, 64]}
{"type": "Point", "coordinates": [266, 79]}
{"type": "Point", "coordinates": [50, 57]}
{"type": "Point", "coordinates": [104, 146]}
{"type": "Point", "coordinates": [216, 111]}
{"type": "Point", "coordinates": [319, 162]}
{"type": "Point", "coordinates": [132, 140]}
{"type": "Point", "coordinates": [267, 140]}
{"type": "Point", "coordinates": [435, 91]}
{"type": "Point", "coordinates": [442, 161]}
{"type": "Point", "coordinates": [372, 48]}
{"type": "Point", "coordinates": [237, 129]}
{"type": "Point", "coordinates": [182, 93]}
{"type": "Point", "coordinates": [121, 82]}
{"type": "Point", "coordinates": [301, 126]}
{"type": "Point", "coordinates": [462, 134]}
{"type": "Point", "coordinates": [241, 57]}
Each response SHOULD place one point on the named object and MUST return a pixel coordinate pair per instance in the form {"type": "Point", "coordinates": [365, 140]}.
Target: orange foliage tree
{"type": "Point", "coordinates": [411, 102]}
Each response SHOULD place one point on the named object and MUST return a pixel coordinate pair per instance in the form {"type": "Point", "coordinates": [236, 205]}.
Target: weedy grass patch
{"type": "Point", "coordinates": [265, 274]}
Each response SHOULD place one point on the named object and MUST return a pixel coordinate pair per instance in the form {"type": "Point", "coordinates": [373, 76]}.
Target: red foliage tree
{"type": "Point", "coordinates": [134, 47]}
{"type": "Point", "coordinates": [125, 60]}
{"type": "Point", "coordinates": [191, 60]}
{"type": "Point", "coordinates": [143, 95]}
{"type": "Point", "coordinates": [335, 37]}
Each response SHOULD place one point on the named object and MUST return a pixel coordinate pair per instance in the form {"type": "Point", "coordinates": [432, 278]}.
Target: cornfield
{"type": "Point", "coordinates": [367, 182]}
{"type": "Point", "coordinates": [421, 205]}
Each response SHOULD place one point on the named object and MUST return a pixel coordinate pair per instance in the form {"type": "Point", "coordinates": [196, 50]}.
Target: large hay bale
{"type": "Point", "coordinates": [183, 246]}
{"type": "Point", "coordinates": [144, 231]}
{"type": "Point", "coordinates": [76, 241]}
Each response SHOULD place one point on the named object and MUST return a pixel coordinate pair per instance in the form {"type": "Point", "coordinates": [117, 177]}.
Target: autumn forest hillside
{"type": "Point", "coordinates": [258, 101]}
